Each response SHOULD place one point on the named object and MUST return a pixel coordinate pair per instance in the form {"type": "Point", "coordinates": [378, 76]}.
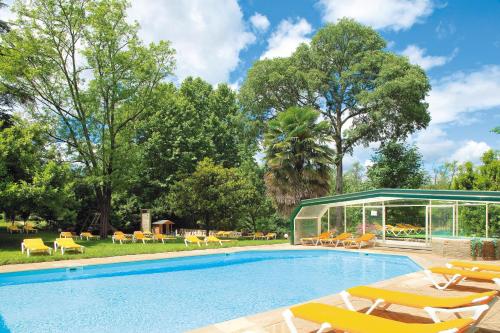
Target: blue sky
{"type": "Point", "coordinates": [456, 42]}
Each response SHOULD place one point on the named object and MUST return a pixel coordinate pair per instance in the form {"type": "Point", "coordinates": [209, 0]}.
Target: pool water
{"type": "Point", "coordinates": [176, 295]}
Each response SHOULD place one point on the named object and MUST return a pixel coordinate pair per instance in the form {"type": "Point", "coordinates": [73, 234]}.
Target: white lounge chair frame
{"type": "Point", "coordinates": [479, 310]}
{"type": "Point", "coordinates": [454, 280]}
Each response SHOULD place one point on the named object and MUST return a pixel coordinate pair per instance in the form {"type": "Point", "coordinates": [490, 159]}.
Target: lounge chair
{"type": "Point", "coordinates": [120, 237]}
{"type": "Point", "coordinates": [258, 235]}
{"type": "Point", "coordinates": [316, 240]}
{"type": "Point", "coordinates": [213, 239]}
{"type": "Point", "coordinates": [29, 228]}
{"type": "Point", "coordinates": [88, 235]}
{"type": "Point", "coordinates": [458, 275]}
{"type": "Point", "coordinates": [67, 244]}
{"type": "Point", "coordinates": [332, 317]}
{"type": "Point", "coordinates": [473, 266]}
{"type": "Point", "coordinates": [365, 239]}
{"type": "Point", "coordinates": [13, 228]}
{"type": "Point", "coordinates": [225, 234]}
{"type": "Point", "coordinates": [477, 303]}
{"type": "Point", "coordinates": [66, 234]}
{"type": "Point", "coordinates": [395, 231]}
{"type": "Point", "coordinates": [163, 237]}
{"type": "Point", "coordinates": [336, 240]}
{"type": "Point", "coordinates": [140, 236]}
{"type": "Point", "coordinates": [192, 239]}
{"type": "Point", "coordinates": [270, 235]}
{"type": "Point", "coordinates": [34, 245]}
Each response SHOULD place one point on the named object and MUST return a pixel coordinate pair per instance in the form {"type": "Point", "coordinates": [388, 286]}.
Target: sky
{"type": "Point", "coordinates": [456, 42]}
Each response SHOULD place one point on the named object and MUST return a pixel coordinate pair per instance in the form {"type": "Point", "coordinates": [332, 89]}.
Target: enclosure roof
{"type": "Point", "coordinates": [311, 208]}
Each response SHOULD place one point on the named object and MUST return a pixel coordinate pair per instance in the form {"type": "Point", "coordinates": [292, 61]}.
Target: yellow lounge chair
{"type": "Point", "coordinates": [258, 235]}
{"type": "Point", "coordinates": [396, 231]}
{"type": "Point", "coordinates": [192, 239]}
{"type": "Point", "coordinates": [365, 239]}
{"type": "Point", "coordinates": [477, 303]}
{"type": "Point", "coordinates": [332, 317]}
{"type": "Point", "coordinates": [163, 238]}
{"type": "Point", "coordinates": [271, 235]}
{"type": "Point", "coordinates": [29, 228]}
{"type": "Point", "coordinates": [140, 236]}
{"type": "Point", "coordinates": [32, 245]}
{"type": "Point", "coordinates": [458, 275]}
{"type": "Point", "coordinates": [473, 266]}
{"type": "Point", "coordinates": [66, 234]}
{"type": "Point", "coordinates": [337, 240]}
{"type": "Point", "coordinates": [88, 235]}
{"type": "Point", "coordinates": [13, 228]}
{"type": "Point", "coordinates": [67, 244]}
{"type": "Point", "coordinates": [316, 240]}
{"type": "Point", "coordinates": [120, 237]}
{"type": "Point", "coordinates": [213, 239]}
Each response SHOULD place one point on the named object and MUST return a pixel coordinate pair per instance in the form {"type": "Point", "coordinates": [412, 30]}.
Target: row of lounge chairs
{"type": "Point", "coordinates": [139, 236]}
{"type": "Point", "coordinates": [400, 229]}
{"type": "Point", "coordinates": [28, 228]}
{"type": "Point", "coordinates": [345, 239]}
{"type": "Point", "coordinates": [207, 240]}
{"type": "Point", "coordinates": [261, 235]}
{"type": "Point", "coordinates": [350, 320]}
{"type": "Point", "coordinates": [36, 245]}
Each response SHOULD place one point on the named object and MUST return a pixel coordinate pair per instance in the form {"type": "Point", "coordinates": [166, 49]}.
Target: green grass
{"type": "Point", "coordinates": [10, 247]}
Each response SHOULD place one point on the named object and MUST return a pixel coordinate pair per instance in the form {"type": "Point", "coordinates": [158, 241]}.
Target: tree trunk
{"type": "Point", "coordinates": [207, 225]}
{"type": "Point", "coordinates": [339, 184]}
{"type": "Point", "coordinates": [104, 204]}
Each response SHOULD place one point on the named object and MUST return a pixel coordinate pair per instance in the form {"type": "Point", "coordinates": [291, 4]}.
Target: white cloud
{"type": "Point", "coordinates": [380, 14]}
{"type": "Point", "coordinates": [260, 22]}
{"type": "Point", "coordinates": [417, 56]}
{"type": "Point", "coordinates": [208, 35]}
{"type": "Point", "coordinates": [433, 143]}
{"type": "Point", "coordinates": [454, 97]}
{"type": "Point", "coordinates": [5, 13]}
{"type": "Point", "coordinates": [286, 38]}
{"type": "Point", "coordinates": [470, 151]}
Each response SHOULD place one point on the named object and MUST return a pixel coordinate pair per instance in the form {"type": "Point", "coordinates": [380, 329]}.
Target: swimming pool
{"type": "Point", "coordinates": [175, 295]}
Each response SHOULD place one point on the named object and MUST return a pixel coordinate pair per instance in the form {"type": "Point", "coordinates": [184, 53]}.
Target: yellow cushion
{"type": "Point", "coordinates": [34, 244]}
{"type": "Point", "coordinates": [468, 274]}
{"type": "Point", "coordinates": [480, 266]}
{"type": "Point", "coordinates": [355, 322]}
{"type": "Point", "coordinates": [418, 301]}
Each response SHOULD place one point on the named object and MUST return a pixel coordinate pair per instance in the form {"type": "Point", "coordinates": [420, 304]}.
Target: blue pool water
{"type": "Point", "coordinates": [175, 295]}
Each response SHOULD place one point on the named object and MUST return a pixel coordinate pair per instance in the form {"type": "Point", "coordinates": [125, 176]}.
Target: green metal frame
{"type": "Point", "coordinates": [454, 195]}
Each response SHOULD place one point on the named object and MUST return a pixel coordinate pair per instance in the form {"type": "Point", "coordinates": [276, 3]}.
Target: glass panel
{"type": "Point", "coordinates": [337, 220]}
{"type": "Point", "coordinates": [374, 221]}
{"type": "Point", "coordinates": [354, 216]}
{"type": "Point", "coordinates": [305, 228]}
{"type": "Point", "coordinates": [494, 221]}
{"type": "Point", "coordinates": [472, 221]}
{"type": "Point", "coordinates": [405, 222]}
{"type": "Point", "coordinates": [442, 221]}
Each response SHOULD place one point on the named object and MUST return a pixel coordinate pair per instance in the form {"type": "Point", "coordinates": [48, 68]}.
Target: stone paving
{"type": "Point", "coordinates": [272, 322]}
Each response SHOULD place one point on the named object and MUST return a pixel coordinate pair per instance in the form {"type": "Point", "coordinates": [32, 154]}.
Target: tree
{"type": "Point", "coordinates": [355, 179]}
{"type": "Point", "coordinates": [397, 165]}
{"type": "Point", "coordinates": [496, 130]}
{"type": "Point", "coordinates": [366, 93]}
{"type": "Point", "coordinates": [90, 76]}
{"type": "Point", "coordinates": [212, 194]}
{"type": "Point", "coordinates": [297, 157]}
{"type": "Point", "coordinates": [32, 177]}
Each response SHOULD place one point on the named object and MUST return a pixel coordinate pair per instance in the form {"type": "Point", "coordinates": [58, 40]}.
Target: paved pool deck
{"type": "Point", "coordinates": [272, 322]}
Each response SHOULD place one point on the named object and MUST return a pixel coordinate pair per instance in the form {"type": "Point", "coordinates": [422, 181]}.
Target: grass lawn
{"type": "Point", "coordinates": [10, 247]}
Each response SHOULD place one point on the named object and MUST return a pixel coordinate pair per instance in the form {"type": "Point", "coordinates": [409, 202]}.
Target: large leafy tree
{"type": "Point", "coordinates": [397, 165]}
{"type": "Point", "coordinates": [32, 177]}
{"type": "Point", "coordinates": [212, 195]}
{"type": "Point", "coordinates": [183, 126]}
{"type": "Point", "coordinates": [90, 76]}
{"type": "Point", "coordinates": [298, 157]}
{"type": "Point", "coordinates": [365, 93]}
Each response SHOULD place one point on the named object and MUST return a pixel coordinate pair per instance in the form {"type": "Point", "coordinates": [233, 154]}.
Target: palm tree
{"type": "Point", "coordinates": [298, 158]}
